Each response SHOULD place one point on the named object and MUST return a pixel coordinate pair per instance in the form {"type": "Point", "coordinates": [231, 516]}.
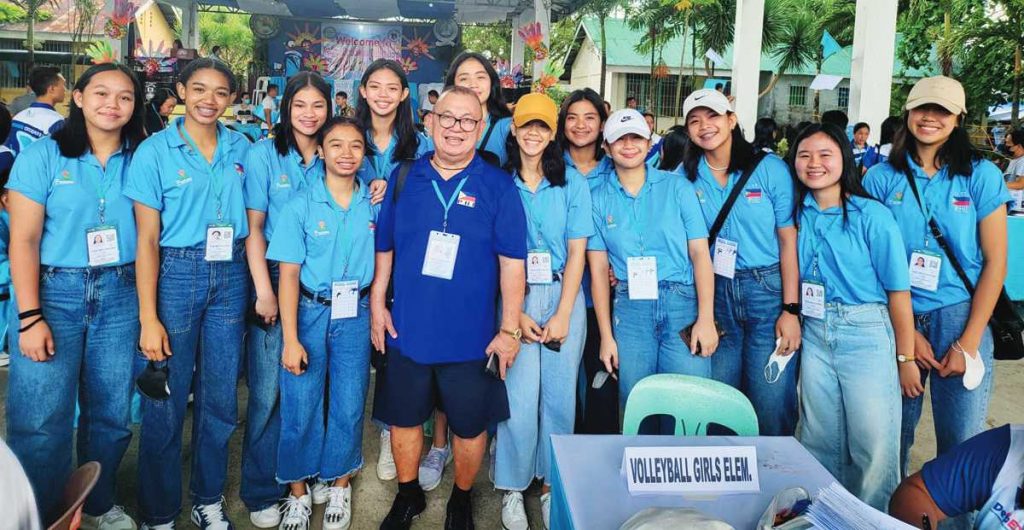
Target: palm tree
{"type": "Point", "coordinates": [602, 9]}
{"type": "Point", "coordinates": [800, 45]}
{"type": "Point", "coordinates": [651, 17]}
{"type": "Point", "coordinates": [31, 8]}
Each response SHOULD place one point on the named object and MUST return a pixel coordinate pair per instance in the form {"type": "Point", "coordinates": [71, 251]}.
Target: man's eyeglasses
{"type": "Point", "coordinates": [448, 121]}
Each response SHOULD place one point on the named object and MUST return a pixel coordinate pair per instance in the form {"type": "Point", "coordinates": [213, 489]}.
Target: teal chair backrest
{"type": "Point", "coordinates": [693, 402]}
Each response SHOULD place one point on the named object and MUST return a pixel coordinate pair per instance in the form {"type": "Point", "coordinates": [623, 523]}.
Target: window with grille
{"type": "Point", "coordinates": [843, 95]}
{"type": "Point", "coordinates": [797, 96]}
{"type": "Point", "coordinates": [640, 86]}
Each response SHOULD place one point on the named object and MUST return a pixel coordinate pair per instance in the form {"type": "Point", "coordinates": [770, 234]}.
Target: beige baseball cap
{"type": "Point", "coordinates": [940, 90]}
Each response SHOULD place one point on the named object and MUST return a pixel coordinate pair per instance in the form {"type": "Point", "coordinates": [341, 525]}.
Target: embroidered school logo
{"type": "Point", "coordinates": [609, 221]}
{"type": "Point", "coordinates": [468, 201]}
{"type": "Point", "coordinates": [321, 229]}
{"type": "Point", "coordinates": [700, 196]}
{"type": "Point", "coordinates": [282, 181]}
{"type": "Point", "coordinates": [239, 169]}
{"type": "Point", "coordinates": [64, 178]}
{"type": "Point", "coordinates": [182, 178]}
{"type": "Point", "coordinates": [753, 195]}
{"type": "Point", "coordinates": [961, 203]}
{"type": "Point", "coordinates": [897, 198]}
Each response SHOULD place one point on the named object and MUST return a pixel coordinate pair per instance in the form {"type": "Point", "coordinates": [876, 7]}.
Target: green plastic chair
{"type": "Point", "coordinates": [694, 402]}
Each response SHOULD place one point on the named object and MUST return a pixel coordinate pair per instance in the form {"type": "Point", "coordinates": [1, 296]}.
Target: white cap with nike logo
{"type": "Point", "coordinates": [708, 98]}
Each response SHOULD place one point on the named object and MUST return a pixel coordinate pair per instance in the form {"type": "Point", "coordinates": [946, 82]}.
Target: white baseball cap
{"type": "Point", "coordinates": [707, 98]}
{"type": "Point", "coordinates": [623, 122]}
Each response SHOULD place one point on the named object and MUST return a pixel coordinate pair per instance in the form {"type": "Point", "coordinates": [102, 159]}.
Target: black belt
{"type": "Point", "coordinates": [324, 300]}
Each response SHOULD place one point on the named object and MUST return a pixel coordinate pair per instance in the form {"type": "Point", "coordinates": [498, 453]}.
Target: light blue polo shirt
{"type": "Point", "coordinates": [380, 165]}
{"type": "Point", "coordinates": [496, 142]}
{"type": "Point", "coordinates": [271, 180]}
{"type": "Point", "coordinates": [860, 260]}
{"type": "Point", "coordinates": [601, 171]}
{"type": "Point", "coordinates": [957, 204]}
{"type": "Point", "coordinates": [168, 175]}
{"type": "Point", "coordinates": [330, 242]}
{"type": "Point", "coordinates": [658, 222]}
{"type": "Point", "coordinates": [556, 214]}
{"type": "Point", "coordinates": [69, 189]}
{"type": "Point", "coordinates": [763, 206]}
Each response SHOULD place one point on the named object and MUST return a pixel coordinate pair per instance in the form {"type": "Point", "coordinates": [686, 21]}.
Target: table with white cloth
{"type": "Point", "coordinates": [590, 493]}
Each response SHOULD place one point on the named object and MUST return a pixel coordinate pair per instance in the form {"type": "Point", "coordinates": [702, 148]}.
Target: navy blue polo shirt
{"type": "Point", "coordinates": [445, 321]}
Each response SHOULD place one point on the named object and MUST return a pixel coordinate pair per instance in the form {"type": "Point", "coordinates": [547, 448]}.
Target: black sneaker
{"type": "Point", "coordinates": [404, 509]}
{"type": "Point", "coordinates": [459, 516]}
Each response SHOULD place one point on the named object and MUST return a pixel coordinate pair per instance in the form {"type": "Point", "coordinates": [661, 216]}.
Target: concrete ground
{"type": "Point", "coordinates": [372, 498]}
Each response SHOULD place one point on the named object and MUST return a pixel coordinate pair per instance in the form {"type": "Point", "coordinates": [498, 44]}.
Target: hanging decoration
{"type": "Point", "coordinates": [549, 76]}
{"type": "Point", "coordinates": [534, 39]}
{"type": "Point", "coordinates": [409, 64]}
{"type": "Point", "coordinates": [116, 26]}
{"type": "Point", "coordinates": [154, 59]}
{"type": "Point", "coordinates": [417, 46]}
{"type": "Point", "coordinates": [661, 69]}
{"type": "Point", "coordinates": [314, 63]}
{"type": "Point", "coordinates": [101, 52]}
{"type": "Point", "coordinates": [510, 76]}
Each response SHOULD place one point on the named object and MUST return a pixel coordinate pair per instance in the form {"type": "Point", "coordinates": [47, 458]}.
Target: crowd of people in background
{"type": "Point", "coordinates": [142, 250]}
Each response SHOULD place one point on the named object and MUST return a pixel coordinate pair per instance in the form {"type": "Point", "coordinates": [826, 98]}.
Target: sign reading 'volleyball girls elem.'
{"type": "Point", "coordinates": [691, 470]}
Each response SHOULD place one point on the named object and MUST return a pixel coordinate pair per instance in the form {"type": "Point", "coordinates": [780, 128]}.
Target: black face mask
{"type": "Point", "coordinates": [152, 382]}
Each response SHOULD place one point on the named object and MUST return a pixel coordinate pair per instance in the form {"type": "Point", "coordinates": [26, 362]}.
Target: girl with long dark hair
{"type": "Point", "coordinates": [72, 254]}
{"type": "Point", "coordinates": [473, 71]}
{"type": "Point", "coordinates": [756, 270]}
{"type": "Point", "coordinates": [193, 288]}
{"type": "Point", "coordinates": [935, 174]}
{"type": "Point", "coordinates": [857, 319]}
{"type": "Point", "coordinates": [385, 113]}
{"type": "Point", "coordinates": [158, 109]}
{"type": "Point", "coordinates": [277, 170]}
{"type": "Point", "coordinates": [541, 384]}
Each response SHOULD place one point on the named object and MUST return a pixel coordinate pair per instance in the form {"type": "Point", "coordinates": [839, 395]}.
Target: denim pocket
{"type": "Point", "coordinates": [873, 316]}
{"type": "Point", "coordinates": [165, 267]}
{"type": "Point", "coordinates": [771, 282]}
{"type": "Point", "coordinates": [685, 291]}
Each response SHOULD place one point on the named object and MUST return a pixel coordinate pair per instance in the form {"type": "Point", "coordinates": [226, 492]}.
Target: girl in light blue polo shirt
{"type": "Point", "coordinates": [193, 284]}
{"type": "Point", "coordinates": [648, 227]}
{"type": "Point", "coordinates": [475, 72]}
{"type": "Point", "coordinates": [385, 112]}
{"type": "Point", "coordinates": [277, 169]}
{"type": "Point", "coordinates": [857, 319]}
{"type": "Point", "coordinates": [324, 244]}
{"type": "Point", "coordinates": [966, 196]}
{"type": "Point", "coordinates": [756, 283]}
{"type": "Point", "coordinates": [72, 251]}
{"type": "Point", "coordinates": [541, 384]}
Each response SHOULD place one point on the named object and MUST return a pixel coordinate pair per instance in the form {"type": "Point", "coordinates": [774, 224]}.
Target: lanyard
{"type": "Point", "coordinates": [451, 200]}
{"type": "Point", "coordinates": [818, 237]}
{"type": "Point", "coordinates": [104, 186]}
{"type": "Point", "coordinates": [532, 219]}
{"type": "Point", "coordinates": [379, 160]}
{"type": "Point", "coordinates": [922, 203]}
{"type": "Point", "coordinates": [343, 229]}
{"type": "Point", "coordinates": [639, 215]}
{"type": "Point", "coordinates": [216, 178]}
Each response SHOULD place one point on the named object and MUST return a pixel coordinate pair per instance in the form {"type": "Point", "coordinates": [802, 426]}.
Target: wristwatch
{"type": "Point", "coordinates": [905, 358]}
{"type": "Point", "coordinates": [793, 309]}
{"type": "Point", "coordinates": [515, 333]}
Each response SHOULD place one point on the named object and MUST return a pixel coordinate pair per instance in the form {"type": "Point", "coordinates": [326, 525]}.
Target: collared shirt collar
{"type": "Point", "coordinates": [175, 139]}
{"type": "Point", "coordinates": [38, 105]}
{"type": "Point", "coordinates": [652, 176]}
{"type": "Point", "coordinates": [544, 183]}
{"type": "Point", "coordinates": [318, 193]}
{"type": "Point", "coordinates": [919, 171]}
{"type": "Point", "coordinates": [852, 203]}
{"type": "Point", "coordinates": [603, 164]}
{"type": "Point", "coordinates": [704, 173]}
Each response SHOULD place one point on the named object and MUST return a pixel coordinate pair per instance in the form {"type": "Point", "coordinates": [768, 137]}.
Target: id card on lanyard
{"type": "Point", "coordinates": [725, 257]}
{"type": "Point", "coordinates": [344, 292]}
{"type": "Point", "coordinates": [538, 258]}
{"type": "Point", "coordinates": [812, 291]}
{"type": "Point", "coordinates": [442, 247]}
{"type": "Point", "coordinates": [101, 241]}
{"type": "Point", "coordinates": [220, 236]}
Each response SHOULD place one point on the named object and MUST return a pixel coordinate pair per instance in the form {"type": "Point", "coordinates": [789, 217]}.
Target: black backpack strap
{"type": "Point", "coordinates": [487, 135]}
{"type": "Point", "coordinates": [403, 172]}
{"type": "Point", "coordinates": [729, 202]}
{"type": "Point", "coordinates": [939, 238]}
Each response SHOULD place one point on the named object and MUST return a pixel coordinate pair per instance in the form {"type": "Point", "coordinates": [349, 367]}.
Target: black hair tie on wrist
{"type": "Point", "coordinates": [30, 313]}
{"type": "Point", "coordinates": [29, 326]}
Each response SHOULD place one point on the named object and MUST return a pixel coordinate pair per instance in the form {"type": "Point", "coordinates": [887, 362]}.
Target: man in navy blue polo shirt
{"type": "Point", "coordinates": [454, 236]}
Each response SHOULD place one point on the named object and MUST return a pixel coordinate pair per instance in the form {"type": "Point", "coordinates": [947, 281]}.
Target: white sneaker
{"type": "Point", "coordinates": [432, 467]}
{"type": "Point", "coordinates": [165, 526]}
{"type": "Point", "coordinates": [545, 509]}
{"type": "Point", "coordinates": [386, 469]}
{"type": "Point", "coordinates": [513, 512]}
{"type": "Point", "coordinates": [211, 516]}
{"type": "Point", "coordinates": [319, 491]}
{"type": "Point", "coordinates": [114, 519]}
{"type": "Point", "coordinates": [295, 512]}
{"type": "Point", "coordinates": [268, 517]}
{"type": "Point", "coordinates": [338, 514]}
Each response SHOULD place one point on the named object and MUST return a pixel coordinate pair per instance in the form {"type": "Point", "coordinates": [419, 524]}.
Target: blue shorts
{"type": "Point", "coordinates": [407, 393]}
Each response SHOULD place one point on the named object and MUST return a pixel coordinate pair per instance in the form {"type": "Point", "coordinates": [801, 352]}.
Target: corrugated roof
{"type": "Point", "coordinates": [622, 42]}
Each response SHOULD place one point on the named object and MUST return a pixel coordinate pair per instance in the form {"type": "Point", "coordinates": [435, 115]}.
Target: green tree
{"type": "Point", "coordinates": [33, 10]}
{"type": "Point", "coordinates": [12, 14]}
{"type": "Point", "coordinates": [231, 32]}
{"type": "Point", "coordinates": [492, 40]}
{"type": "Point", "coordinates": [651, 16]}
{"type": "Point", "coordinates": [602, 9]}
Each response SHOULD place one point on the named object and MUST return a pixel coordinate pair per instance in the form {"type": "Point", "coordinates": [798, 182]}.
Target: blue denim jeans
{"type": "Point", "coordinates": [263, 344]}
{"type": "Point", "coordinates": [94, 317]}
{"type": "Point", "coordinates": [958, 413]}
{"type": "Point", "coordinates": [647, 334]}
{"type": "Point", "coordinates": [850, 399]}
{"type": "Point", "coordinates": [202, 306]}
{"type": "Point", "coordinates": [541, 394]}
{"type": "Point", "coordinates": [339, 356]}
{"type": "Point", "coordinates": [747, 307]}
